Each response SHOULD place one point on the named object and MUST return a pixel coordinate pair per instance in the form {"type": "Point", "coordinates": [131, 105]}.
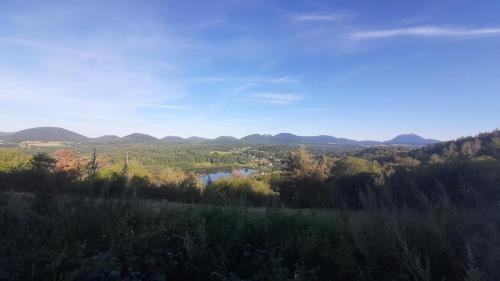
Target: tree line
{"type": "Point", "coordinates": [465, 172]}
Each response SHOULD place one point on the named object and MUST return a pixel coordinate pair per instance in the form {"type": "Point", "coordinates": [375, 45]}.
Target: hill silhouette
{"type": "Point", "coordinates": [61, 134]}
{"type": "Point", "coordinates": [47, 134]}
{"type": "Point", "coordinates": [139, 138]}
{"type": "Point", "coordinates": [411, 139]}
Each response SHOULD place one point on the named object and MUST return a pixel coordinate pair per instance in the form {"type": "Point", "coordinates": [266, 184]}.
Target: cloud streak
{"type": "Point", "coordinates": [276, 98]}
{"type": "Point", "coordinates": [426, 32]}
{"type": "Point", "coordinates": [320, 17]}
{"type": "Point", "coordinates": [165, 106]}
{"type": "Point", "coordinates": [257, 80]}
{"type": "Point", "coordinates": [47, 47]}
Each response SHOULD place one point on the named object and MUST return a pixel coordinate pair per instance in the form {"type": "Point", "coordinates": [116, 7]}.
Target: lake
{"type": "Point", "coordinates": [215, 176]}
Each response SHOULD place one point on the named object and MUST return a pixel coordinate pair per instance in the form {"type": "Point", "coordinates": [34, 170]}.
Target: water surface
{"type": "Point", "coordinates": [216, 175]}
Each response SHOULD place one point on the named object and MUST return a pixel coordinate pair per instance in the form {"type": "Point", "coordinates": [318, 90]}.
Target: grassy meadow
{"type": "Point", "coordinates": [75, 238]}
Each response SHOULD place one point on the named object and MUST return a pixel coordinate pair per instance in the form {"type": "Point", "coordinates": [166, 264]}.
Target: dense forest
{"type": "Point", "coordinates": [310, 213]}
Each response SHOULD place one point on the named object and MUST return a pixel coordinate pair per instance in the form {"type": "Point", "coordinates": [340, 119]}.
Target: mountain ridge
{"type": "Point", "coordinates": [61, 134]}
{"type": "Point", "coordinates": [410, 139]}
{"type": "Point", "coordinates": [46, 134]}
{"type": "Point", "coordinates": [139, 138]}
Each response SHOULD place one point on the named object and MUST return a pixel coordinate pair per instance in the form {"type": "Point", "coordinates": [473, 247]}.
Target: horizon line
{"type": "Point", "coordinates": [240, 137]}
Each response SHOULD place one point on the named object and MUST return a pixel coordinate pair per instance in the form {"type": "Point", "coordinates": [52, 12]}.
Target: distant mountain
{"type": "Point", "coordinates": [3, 134]}
{"type": "Point", "coordinates": [173, 139]}
{"type": "Point", "coordinates": [139, 138]}
{"type": "Point", "coordinates": [287, 138]}
{"type": "Point", "coordinates": [47, 134]}
{"type": "Point", "coordinates": [410, 139]}
{"type": "Point", "coordinates": [107, 139]}
{"type": "Point", "coordinates": [60, 134]}
{"type": "Point", "coordinates": [369, 143]}
{"type": "Point", "coordinates": [197, 139]}
{"type": "Point", "coordinates": [258, 139]}
{"type": "Point", "coordinates": [225, 140]}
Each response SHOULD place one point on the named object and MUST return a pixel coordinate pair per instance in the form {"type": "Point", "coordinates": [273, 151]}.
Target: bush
{"type": "Point", "coordinates": [14, 160]}
{"type": "Point", "coordinates": [243, 190]}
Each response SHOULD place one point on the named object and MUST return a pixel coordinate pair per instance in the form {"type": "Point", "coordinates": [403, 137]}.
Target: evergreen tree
{"type": "Point", "coordinates": [125, 170]}
{"type": "Point", "coordinates": [93, 166]}
{"type": "Point", "coordinates": [42, 161]}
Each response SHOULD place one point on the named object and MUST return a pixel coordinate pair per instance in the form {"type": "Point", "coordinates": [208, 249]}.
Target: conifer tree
{"type": "Point", "coordinates": [93, 166]}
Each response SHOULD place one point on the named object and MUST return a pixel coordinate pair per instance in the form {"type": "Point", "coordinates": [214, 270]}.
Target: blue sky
{"type": "Point", "coordinates": [356, 69]}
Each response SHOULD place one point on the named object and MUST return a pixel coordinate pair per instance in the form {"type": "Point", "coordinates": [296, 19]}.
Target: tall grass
{"type": "Point", "coordinates": [75, 238]}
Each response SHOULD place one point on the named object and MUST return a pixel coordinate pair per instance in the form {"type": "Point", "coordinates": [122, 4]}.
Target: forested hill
{"type": "Point", "coordinates": [485, 145]}
{"type": "Point", "coordinates": [411, 139]}
{"type": "Point", "coordinates": [46, 134]}
{"type": "Point", "coordinates": [60, 134]}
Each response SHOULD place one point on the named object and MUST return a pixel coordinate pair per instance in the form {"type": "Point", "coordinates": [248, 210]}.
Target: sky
{"type": "Point", "coordinates": [355, 69]}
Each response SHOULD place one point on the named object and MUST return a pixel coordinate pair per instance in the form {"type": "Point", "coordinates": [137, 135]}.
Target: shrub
{"type": "Point", "coordinates": [246, 190]}
{"type": "Point", "coordinates": [14, 160]}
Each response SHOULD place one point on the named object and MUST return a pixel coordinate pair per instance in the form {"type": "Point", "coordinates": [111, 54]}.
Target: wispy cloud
{"type": "Point", "coordinates": [426, 31]}
{"type": "Point", "coordinates": [313, 109]}
{"type": "Point", "coordinates": [320, 17]}
{"type": "Point", "coordinates": [244, 87]}
{"type": "Point", "coordinates": [165, 106]}
{"type": "Point", "coordinates": [48, 47]}
{"type": "Point", "coordinates": [278, 98]}
{"type": "Point", "coordinates": [257, 80]}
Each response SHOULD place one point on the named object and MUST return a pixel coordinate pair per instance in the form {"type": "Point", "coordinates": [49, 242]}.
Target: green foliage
{"type": "Point", "coordinates": [72, 238]}
{"type": "Point", "coordinates": [351, 166]}
{"type": "Point", "coordinates": [304, 166]}
{"type": "Point", "coordinates": [487, 144]}
{"type": "Point", "coordinates": [43, 162]}
{"type": "Point", "coordinates": [425, 214]}
{"type": "Point", "coordinates": [93, 166]}
{"type": "Point", "coordinates": [310, 178]}
{"type": "Point", "coordinates": [243, 190]}
{"type": "Point", "coordinates": [14, 160]}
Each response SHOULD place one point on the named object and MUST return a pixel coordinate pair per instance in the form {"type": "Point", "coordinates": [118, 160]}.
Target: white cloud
{"type": "Point", "coordinates": [426, 31]}
{"type": "Point", "coordinates": [320, 17]}
{"type": "Point", "coordinates": [278, 98]}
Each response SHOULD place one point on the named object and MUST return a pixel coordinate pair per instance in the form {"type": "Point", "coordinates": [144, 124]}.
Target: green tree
{"type": "Point", "coordinates": [307, 180]}
{"type": "Point", "coordinates": [245, 190]}
{"type": "Point", "coordinates": [125, 170]}
{"type": "Point", "coordinates": [42, 161]}
{"type": "Point", "coordinates": [470, 148]}
{"type": "Point", "coordinates": [303, 166]}
{"type": "Point", "coordinates": [351, 166]}
{"type": "Point", "coordinates": [93, 166]}
{"type": "Point", "coordinates": [451, 152]}
{"type": "Point", "coordinates": [435, 159]}
{"type": "Point", "coordinates": [14, 160]}
{"type": "Point", "coordinates": [493, 148]}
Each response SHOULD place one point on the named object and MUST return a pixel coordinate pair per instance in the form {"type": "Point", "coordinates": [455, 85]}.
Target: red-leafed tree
{"type": "Point", "coordinates": [67, 161]}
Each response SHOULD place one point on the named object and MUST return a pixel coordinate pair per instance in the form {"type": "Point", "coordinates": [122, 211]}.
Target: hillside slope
{"type": "Point", "coordinates": [47, 134]}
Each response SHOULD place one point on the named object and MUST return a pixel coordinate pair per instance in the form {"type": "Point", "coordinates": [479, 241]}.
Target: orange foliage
{"type": "Point", "coordinates": [67, 161]}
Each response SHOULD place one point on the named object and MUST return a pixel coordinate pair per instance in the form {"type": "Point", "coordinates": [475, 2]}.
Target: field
{"type": "Point", "coordinates": [29, 144]}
